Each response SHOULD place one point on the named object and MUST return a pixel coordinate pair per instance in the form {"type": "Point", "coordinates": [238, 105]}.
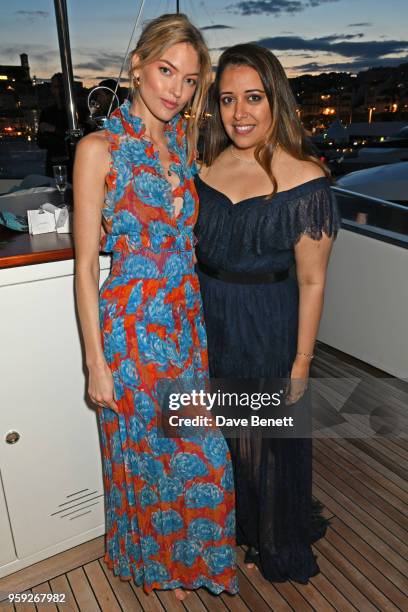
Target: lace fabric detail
{"type": "Point", "coordinates": [313, 214]}
{"type": "Point", "coordinates": [260, 234]}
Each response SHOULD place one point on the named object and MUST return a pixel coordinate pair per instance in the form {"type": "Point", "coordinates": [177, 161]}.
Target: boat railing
{"type": "Point", "coordinates": [374, 217]}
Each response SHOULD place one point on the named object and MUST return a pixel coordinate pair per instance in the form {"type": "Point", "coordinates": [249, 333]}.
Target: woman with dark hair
{"type": "Point", "coordinates": [265, 204]}
{"type": "Point", "coordinates": [169, 501]}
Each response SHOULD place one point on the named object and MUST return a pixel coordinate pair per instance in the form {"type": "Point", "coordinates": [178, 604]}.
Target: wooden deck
{"type": "Point", "coordinates": [363, 485]}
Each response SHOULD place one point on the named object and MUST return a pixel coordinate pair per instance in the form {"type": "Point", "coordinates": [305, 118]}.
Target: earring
{"type": "Point", "coordinates": [188, 114]}
{"type": "Point", "coordinates": [136, 80]}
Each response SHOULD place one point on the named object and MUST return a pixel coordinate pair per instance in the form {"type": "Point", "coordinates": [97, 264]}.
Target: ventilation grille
{"type": "Point", "coordinates": [78, 504]}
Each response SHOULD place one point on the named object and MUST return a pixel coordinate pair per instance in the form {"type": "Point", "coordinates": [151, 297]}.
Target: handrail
{"type": "Point", "coordinates": [386, 203]}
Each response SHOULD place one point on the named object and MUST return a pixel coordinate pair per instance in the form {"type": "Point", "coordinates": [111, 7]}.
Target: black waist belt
{"type": "Point", "coordinates": [242, 277]}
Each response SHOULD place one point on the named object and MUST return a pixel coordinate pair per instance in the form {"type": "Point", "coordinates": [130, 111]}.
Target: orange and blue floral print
{"type": "Point", "coordinates": [170, 518]}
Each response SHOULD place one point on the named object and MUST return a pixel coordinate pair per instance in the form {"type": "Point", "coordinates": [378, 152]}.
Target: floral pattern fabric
{"type": "Point", "coordinates": [169, 501]}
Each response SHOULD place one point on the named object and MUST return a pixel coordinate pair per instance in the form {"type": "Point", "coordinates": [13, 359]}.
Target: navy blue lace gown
{"type": "Point", "coordinates": [252, 333]}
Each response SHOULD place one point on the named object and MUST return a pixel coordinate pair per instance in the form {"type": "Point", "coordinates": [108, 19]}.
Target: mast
{"type": "Point", "coordinates": [177, 6]}
{"type": "Point", "coordinates": [61, 16]}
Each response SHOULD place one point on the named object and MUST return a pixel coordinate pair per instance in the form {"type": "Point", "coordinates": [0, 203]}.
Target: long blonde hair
{"type": "Point", "coordinates": [159, 35]}
{"type": "Point", "coordinates": [286, 129]}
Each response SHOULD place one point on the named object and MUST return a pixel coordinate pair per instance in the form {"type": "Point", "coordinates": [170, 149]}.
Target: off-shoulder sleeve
{"type": "Point", "coordinates": [315, 213]}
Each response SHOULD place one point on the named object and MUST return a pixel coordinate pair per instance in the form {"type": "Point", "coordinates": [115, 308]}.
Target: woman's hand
{"type": "Point", "coordinates": [299, 378]}
{"type": "Point", "coordinates": [101, 388]}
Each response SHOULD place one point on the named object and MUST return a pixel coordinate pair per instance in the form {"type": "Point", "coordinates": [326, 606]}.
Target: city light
{"type": "Point", "coordinates": [371, 109]}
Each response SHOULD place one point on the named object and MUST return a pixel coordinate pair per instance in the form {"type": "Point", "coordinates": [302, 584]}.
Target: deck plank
{"type": "Point", "coordinates": [250, 595]}
{"type": "Point", "coordinates": [235, 603]}
{"type": "Point", "coordinates": [375, 453]}
{"type": "Point", "coordinates": [294, 598]}
{"type": "Point", "coordinates": [45, 606]}
{"type": "Point", "coordinates": [373, 556]}
{"type": "Point", "coordinates": [362, 511]}
{"type": "Point", "coordinates": [362, 566]}
{"type": "Point", "coordinates": [26, 606]}
{"type": "Point", "coordinates": [314, 597]}
{"type": "Point", "coordinates": [82, 590]}
{"type": "Point", "coordinates": [362, 531]}
{"type": "Point", "coordinates": [193, 603]}
{"type": "Point", "coordinates": [170, 602]}
{"type": "Point", "coordinates": [60, 584]}
{"type": "Point", "coordinates": [331, 592]}
{"type": "Point", "coordinates": [398, 521]}
{"type": "Point", "coordinates": [364, 473]}
{"type": "Point", "coordinates": [364, 459]}
{"type": "Point", "coordinates": [149, 602]}
{"type": "Point", "coordinates": [211, 602]}
{"type": "Point", "coordinates": [122, 589]}
{"type": "Point", "coordinates": [265, 589]}
{"type": "Point", "coordinates": [101, 587]}
{"type": "Point", "coordinates": [328, 561]}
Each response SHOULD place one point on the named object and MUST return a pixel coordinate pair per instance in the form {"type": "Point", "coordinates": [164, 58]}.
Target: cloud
{"type": "Point", "coordinates": [310, 67]}
{"type": "Point", "coordinates": [363, 24]}
{"type": "Point", "coordinates": [217, 26]}
{"type": "Point", "coordinates": [32, 15]}
{"type": "Point", "coordinates": [102, 77]}
{"type": "Point", "coordinates": [37, 54]}
{"type": "Point", "coordinates": [304, 55]}
{"type": "Point", "coordinates": [273, 7]}
{"type": "Point", "coordinates": [356, 66]}
{"type": "Point", "coordinates": [337, 44]}
{"type": "Point", "coordinates": [345, 36]}
{"type": "Point", "coordinates": [99, 61]}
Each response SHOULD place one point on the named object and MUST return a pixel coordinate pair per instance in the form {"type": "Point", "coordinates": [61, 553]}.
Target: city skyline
{"type": "Point", "coordinates": [308, 36]}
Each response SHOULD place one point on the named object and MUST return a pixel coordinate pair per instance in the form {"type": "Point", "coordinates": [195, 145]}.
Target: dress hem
{"type": "Point", "coordinates": [175, 584]}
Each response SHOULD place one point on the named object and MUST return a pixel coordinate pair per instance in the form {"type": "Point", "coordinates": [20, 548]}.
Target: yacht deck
{"type": "Point", "coordinates": [362, 482]}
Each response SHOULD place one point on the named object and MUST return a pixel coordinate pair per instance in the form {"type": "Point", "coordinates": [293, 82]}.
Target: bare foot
{"type": "Point", "coordinates": [181, 594]}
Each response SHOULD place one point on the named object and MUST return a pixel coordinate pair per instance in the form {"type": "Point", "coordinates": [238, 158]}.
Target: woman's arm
{"type": "Point", "coordinates": [91, 167]}
{"type": "Point", "coordinates": [312, 257]}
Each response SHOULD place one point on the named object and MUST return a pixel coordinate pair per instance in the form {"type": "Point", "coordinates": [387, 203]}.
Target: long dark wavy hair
{"type": "Point", "coordinates": [286, 129]}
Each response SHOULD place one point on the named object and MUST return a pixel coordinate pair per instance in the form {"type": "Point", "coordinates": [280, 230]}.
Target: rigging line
{"type": "Point", "coordinates": [139, 14]}
{"type": "Point", "coordinates": [193, 12]}
{"type": "Point", "coordinates": [215, 32]}
{"type": "Point", "coordinates": [204, 6]}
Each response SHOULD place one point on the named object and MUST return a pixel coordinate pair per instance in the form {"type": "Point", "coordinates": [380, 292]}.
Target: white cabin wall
{"type": "Point", "coordinates": [366, 304]}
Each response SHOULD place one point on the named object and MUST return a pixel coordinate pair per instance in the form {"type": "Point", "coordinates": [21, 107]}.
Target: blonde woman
{"type": "Point", "coordinates": [169, 501]}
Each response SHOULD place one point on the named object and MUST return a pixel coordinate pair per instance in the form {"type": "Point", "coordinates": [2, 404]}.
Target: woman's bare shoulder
{"type": "Point", "coordinates": [95, 143]}
{"type": "Point", "coordinates": [308, 170]}
{"type": "Point", "coordinates": [92, 156]}
{"type": "Point", "coordinates": [291, 172]}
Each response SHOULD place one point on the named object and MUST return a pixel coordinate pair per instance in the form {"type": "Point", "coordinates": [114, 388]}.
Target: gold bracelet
{"type": "Point", "coordinates": [310, 355]}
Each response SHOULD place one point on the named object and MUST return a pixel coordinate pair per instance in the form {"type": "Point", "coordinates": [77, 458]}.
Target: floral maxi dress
{"type": "Point", "coordinates": [169, 501]}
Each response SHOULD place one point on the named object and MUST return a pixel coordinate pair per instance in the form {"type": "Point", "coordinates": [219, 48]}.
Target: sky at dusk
{"type": "Point", "coordinates": [308, 36]}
